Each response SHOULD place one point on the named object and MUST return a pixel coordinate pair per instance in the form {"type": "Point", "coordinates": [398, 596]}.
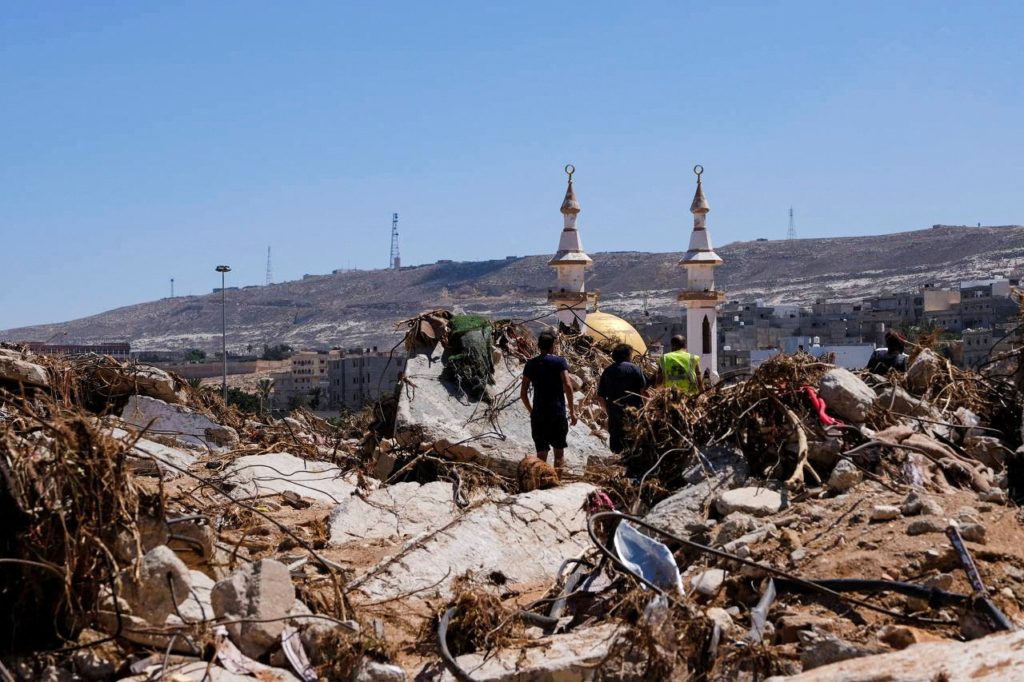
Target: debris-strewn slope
{"type": "Point", "coordinates": [357, 308]}
{"type": "Point", "coordinates": [781, 525]}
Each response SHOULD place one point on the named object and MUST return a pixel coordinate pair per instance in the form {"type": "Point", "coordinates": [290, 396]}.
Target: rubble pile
{"type": "Point", "coordinates": [807, 521]}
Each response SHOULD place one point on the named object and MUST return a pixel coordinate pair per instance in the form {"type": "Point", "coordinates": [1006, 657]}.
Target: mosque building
{"type": "Point", "coordinates": [572, 301]}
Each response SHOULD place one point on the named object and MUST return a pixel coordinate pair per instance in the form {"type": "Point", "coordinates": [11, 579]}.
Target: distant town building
{"type": "Point", "coordinates": [361, 376]}
{"type": "Point", "coordinates": [117, 350]}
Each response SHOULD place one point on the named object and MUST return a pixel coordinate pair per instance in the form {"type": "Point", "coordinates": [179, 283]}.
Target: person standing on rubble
{"type": "Point", "coordinates": [548, 374]}
{"type": "Point", "coordinates": [621, 385]}
{"type": "Point", "coordinates": [893, 356]}
{"type": "Point", "coordinates": [679, 368]}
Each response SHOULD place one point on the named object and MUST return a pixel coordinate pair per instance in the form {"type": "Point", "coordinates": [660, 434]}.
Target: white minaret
{"type": "Point", "coordinates": [699, 296]}
{"type": "Point", "coordinates": [570, 298]}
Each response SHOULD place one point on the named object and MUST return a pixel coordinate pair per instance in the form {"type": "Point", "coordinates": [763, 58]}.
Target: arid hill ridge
{"type": "Point", "coordinates": [361, 307]}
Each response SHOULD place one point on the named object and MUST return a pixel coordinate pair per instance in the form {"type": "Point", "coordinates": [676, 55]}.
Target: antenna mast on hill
{"type": "Point", "coordinates": [396, 260]}
{"type": "Point", "coordinates": [172, 287]}
{"type": "Point", "coordinates": [270, 273]}
{"type": "Point", "coordinates": [791, 232]}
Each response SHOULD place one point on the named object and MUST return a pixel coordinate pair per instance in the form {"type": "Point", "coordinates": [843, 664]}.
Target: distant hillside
{"type": "Point", "coordinates": [361, 308]}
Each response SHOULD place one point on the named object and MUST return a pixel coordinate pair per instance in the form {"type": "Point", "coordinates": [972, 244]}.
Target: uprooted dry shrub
{"type": "Point", "coordinates": [69, 510]}
{"type": "Point", "coordinates": [751, 415]}
{"type": "Point", "coordinates": [340, 652]}
{"type": "Point", "coordinates": [481, 623]}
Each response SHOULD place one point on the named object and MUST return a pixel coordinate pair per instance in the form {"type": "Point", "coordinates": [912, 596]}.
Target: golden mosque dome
{"type": "Point", "coordinates": [611, 329]}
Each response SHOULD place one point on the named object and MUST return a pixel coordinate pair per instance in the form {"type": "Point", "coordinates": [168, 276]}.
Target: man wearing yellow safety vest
{"type": "Point", "coordinates": [679, 368]}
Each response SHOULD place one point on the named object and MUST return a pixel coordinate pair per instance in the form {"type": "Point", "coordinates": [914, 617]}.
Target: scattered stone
{"type": "Point", "coordinates": [798, 554]}
{"type": "Point", "coordinates": [262, 594]}
{"type": "Point", "coordinates": [995, 496]}
{"type": "Point", "coordinates": [294, 500]}
{"type": "Point", "coordinates": [734, 526]}
{"type": "Point", "coordinates": [930, 507]}
{"type": "Point", "coordinates": [902, 636]}
{"type": "Point", "coordinates": [163, 581]}
{"type": "Point", "coordinates": [925, 524]}
{"type": "Point", "coordinates": [847, 395]}
{"type": "Point", "coordinates": [683, 511]}
{"type": "Point", "coordinates": [844, 476]}
{"type": "Point", "coordinates": [708, 582]}
{"type": "Point", "coordinates": [789, 626]}
{"type": "Point", "coordinates": [885, 512]}
{"type": "Point", "coordinates": [721, 617]}
{"type": "Point", "coordinates": [925, 367]}
{"type": "Point", "coordinates": [753, 501]}
{"type": "Point", "coordinates": [939, 581]}
{"type": "Point", "coordinates": [372, 671]}
{"type": "Point", "coordinates": [832, 650]}
{"type": "Point", "coordinates": [973, 532]}
{"type": "Point", "coordinates": [912, 504]}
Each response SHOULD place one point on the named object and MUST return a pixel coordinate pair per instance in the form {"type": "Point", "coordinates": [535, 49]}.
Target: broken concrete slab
{"type": "Point", "coordinates": [996, 657]}
{"type": "Point", "coordinates": [156, 458]}
{"type": "Point", "coordinates": [434, 410]}
{"type": "Point", "coordinates": [17, 370]}
{"type": "Point", "coordinates": [177, 421]}
{"type": "Point", "coordinates": [161, 583]}
{"type": "Point", "coordinates": [137, 379]}
{"type": "Point", "coordinates": [559, 658]}
{"type": "Point", "coordinates": [396, 511]}
{"type": "Point", "coordinates": [526, 537]}
{"type": "Point", "coordinates": [278, 472]}
{"type": "Point", "coordinates": [202, 671]}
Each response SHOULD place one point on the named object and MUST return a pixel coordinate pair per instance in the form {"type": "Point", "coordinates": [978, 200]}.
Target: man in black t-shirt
{"type": "Point", "coordinates": [548, 374]}
{"type": "Point", "coordinates": [621, 386]}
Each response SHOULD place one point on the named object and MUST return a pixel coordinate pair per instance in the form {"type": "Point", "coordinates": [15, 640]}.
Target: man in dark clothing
{"type": "Point", "coordinates": [548, 374]}
{"type": "Point", "coordinates": [621, 386]}
{"type": "Point", "coordinates": [891, 357]}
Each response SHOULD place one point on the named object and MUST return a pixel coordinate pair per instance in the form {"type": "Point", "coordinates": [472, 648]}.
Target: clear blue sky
{"type": "Point", "coordinates": [147, 140]}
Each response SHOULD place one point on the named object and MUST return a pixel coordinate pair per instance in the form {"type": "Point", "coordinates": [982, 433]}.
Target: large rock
{"type": "Point", "coordinates": [262, 595]}
{"type": "Point", "coordinates": [526, 537]}
{"type": "Point", "coordinates": [398, 511]}
{"type": "Point", "coordinates": [162, 583]}
{"type": "Point", "coordinates": [17, 370]}
{"type": "Point", "coordinates": [434, 410]}
{"type": "Point", "coordinates": [177, 421]}
{"type": "Point", "coordinates": [560, 658]}
{"type": "Point", "coordinates": [898, 400]}
{"type": "Point", "coordinates": [844, 476]}
{"type": "Point", "coordinates": [754, 501]}
{"type": "Point", "coordinates": [847, 395]}
{"type": "Point", "coordinates": [683, 512]}
{"type": "Point", "coordinates": [137, 379]}
{"type": "Point", "coordinates": [202, 671]}
{"type": "Point", "coordinates": [925, 367]}
{"type": "Point", "coordinates": [996, 657]}
{"type": "Point", "coordinates": [278, 472]}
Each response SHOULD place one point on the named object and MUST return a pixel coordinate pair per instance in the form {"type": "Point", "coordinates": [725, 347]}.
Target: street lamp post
{"type": "Point", "coordinates": [223, 270]}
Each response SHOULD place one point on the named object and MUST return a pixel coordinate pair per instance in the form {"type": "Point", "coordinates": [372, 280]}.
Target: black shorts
{"type": "Point", "coordinates": [549, 431]}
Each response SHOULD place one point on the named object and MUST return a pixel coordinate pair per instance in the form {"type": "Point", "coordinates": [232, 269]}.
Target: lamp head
{"type": "Point", "coordinates": [223, 268]}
